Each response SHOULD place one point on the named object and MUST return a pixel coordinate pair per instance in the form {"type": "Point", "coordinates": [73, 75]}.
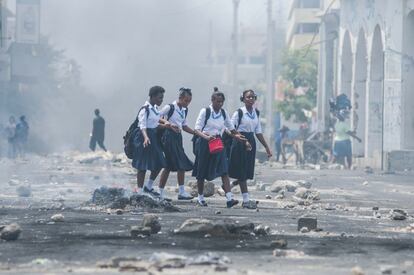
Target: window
{"type": "Point", "coordinates": [309, 4]}
{"type": "Point", "coordinates": [307, 28]}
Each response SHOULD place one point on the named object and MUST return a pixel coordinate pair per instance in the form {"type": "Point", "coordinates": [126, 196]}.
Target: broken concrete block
{"type": "Point", "coordinates": [137, 231]}
{"type": "Point", "coordinates": [398, 214]}
{"type": "Point", "coordinates": [10, 232]}
{"type": "Point", "coordinates": [152, 221]}
{"type": "Point", "coordinates": [304, 230]}
{"type": "Point", "coordinates": [279, 244]}
{"type": "Point", "coordinates": [304, 183]}
{"type": "Point", "coordinates": [57, 218]}
{"type": "Point", "coordinates": [356, 270]}
{"type": "Point", "coordinates": [209, 189]}
{"type": "Point", "coordinates": [262, 230]}
{"type": "Point", "coordinates": [311, 223]}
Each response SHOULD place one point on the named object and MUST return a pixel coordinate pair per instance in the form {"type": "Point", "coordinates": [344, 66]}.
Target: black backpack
{"type": "Point", "coordinates": [208, 114]}
{"type": "Point", "coordinates": [130, 134]}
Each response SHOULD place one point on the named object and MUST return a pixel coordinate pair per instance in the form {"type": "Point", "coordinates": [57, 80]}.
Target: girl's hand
{"type": "Point", "coordinates": [175, 128]}
{"type": "Point", "coordinates": [146, 142]}
{"type": "Point", "coordinates": [240, 137]}
{"type": "Point", "coordinates": [248, 146]}
{"type": "Point", "coordinates": [269, 153]}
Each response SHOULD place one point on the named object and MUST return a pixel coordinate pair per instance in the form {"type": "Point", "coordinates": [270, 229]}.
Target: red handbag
{"type": "Point", "coordinates": [215, 145]}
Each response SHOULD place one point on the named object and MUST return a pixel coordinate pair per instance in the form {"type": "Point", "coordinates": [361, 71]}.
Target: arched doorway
{"type": "Point", "coordinates": [408, 82]}
{"type": "Point", "coordinates": [374, 120]}
{"type": "Point", "coordinates": [346, 65]}
{"type": "Point", "coordinates": [359, 95]}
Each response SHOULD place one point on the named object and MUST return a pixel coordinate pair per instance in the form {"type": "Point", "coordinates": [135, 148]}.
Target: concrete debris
{"type": "Point", "coordinates": [163, 260]}
{"type": "Point", "coordinates": [57, 218]}
{"type": "Point", "coordinates": [268, 197]}
{"type": "Point", "coordinates": [356, 270]}
{"type": "Point", "coordinates": [262, 230]}
{"type": "Point", "coordinates": [335, 166]}
{"type": "Point", "coordinates": [263, 186]}
{"type": "Point", "coordinates": [365, 183]}
{"type": "Point", "coordinates": [398, 214]}
{"type": "Point", "coordinates": [288, 253]}
{"type": "Point", "coordinates": [24, 191]}
{"type": "Point", "coordinates": [148, 202]}
{"type": "Point", "coordinates": [114, 262]}
{"type": "Point", "coordinates": [330, 206]}
{"type": "Point", "coordinates": [152, 221]}
{"type": "Point", "coordinates": [215, 228]}
{"type": "Point", "coordinates": [307, 194]}
{"type": "Point", "coordinates": [119, 211]}
{"type": "Point", "coordinates": [218, 212]}
{"type": "Point", "coordinates": [10, 232]}
{"type": "Point", "coordinates": [279, 244]}
{"type": "Point", "coordinates": [368, 170]}
{"type": "Point", "coordinates": [386, 270]}
{"type": "Point", "coordinates": [220, 192]}
{"type": "Point", "coordinates": [140, 231]}
{"type": "Point", "coordinates": [304, 230]}
{"type": "Point", "coordinates": [304, 183]}
{"type": "Point", "coordinates": [209, 258]}
{"type": "Point", "coordinates": [209, 189]}
{"type": "Point", "coordinates": [311, 223]}
{"type": "Point", "coordinates": [108, 195]}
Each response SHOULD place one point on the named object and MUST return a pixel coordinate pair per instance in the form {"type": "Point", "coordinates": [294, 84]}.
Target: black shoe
{"type": "Point", "coordinates": [185, 197]}
{"type": "Point", "coordinates": [202, 203]}
{"type": "Point", "coordinates": [232, 203]}
{"type": "Point", "coordinates": [152, 191]}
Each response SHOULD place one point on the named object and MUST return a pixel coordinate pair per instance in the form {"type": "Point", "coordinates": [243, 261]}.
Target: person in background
{"type": "Point", "coordinates": [281, 136]}
{"type": "Point", "coordinates": [98, 132]}
{"type": "Point", "coordinates": [342, 148]}
{"type": "Point", "coordinates": [22, 134]}
{"type": "Point", "coordinates": [10, 131]}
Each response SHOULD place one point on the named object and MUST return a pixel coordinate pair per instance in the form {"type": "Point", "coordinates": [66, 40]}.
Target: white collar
{"type": "Point", "coordinates": [149, 104]}
{"type": "Point", "coordinates": [178, 107]}
{"type": "Point", "coordinates": [212, 109]}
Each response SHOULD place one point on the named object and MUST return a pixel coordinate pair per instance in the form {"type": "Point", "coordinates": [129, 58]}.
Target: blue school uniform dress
{"type": "Point", "coordinates": [151, 157]}
{"type": "Point", "coordinates": [172, 142]}
{"type": "Point", "coordinates": [242, 162]}
{"type": "Point", "coordinates": [210, 166]}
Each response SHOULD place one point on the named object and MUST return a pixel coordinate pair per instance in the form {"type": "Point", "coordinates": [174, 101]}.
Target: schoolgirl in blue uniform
{"type": "Point", "coordinates": [210, 124]}
{"type": "Point", "coordinates": [172, 142]}
{"type": "Point", "coordinates": [243, 153]}
{"type": "Point", "coordinates": [148, 154]}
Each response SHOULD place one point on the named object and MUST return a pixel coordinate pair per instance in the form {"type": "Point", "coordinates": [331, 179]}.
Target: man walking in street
{"type": "Point", "coordinates": [98, 132]}
{"type": "Point", "coordinates": [21, 136]}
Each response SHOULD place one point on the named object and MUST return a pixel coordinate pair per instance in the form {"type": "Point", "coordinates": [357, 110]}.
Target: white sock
{"type": "Point", "coordinates": [245, 197]}
{"type": "Point", "coordinates": [181, 189]}
{"type": "Point", "coordinates": [161, 191]}
{"type": "Point", "coordinates": [229, 196]}
{"type": "Point", "coordinates": [200, 198]}
{"type": "Point", "coordinates": [149, 183]}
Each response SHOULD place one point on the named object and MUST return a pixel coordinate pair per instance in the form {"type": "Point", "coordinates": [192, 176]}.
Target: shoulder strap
{"type": "Point", "coordinates": [186, 112]}
{"type": "Point", "coordinates": [240, 116]}
{"type": "Point", "coordinates": [223, 113]}
{"type": "Point", "coordinates": [257, 112]}
{"type": "Point", "coordinates": [171, 111]}
{"type": "Point", "coordinates": [208, 113]}
{"type": "Point", "coordinates": [146, 107]}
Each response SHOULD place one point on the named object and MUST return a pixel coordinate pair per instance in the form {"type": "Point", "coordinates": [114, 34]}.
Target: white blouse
{"type": "Point", "coordinates": [249, 123]}
{"type": "Point", "coordinates": [178, 117]}
{"type": "Point", "coordinates": [153, 118]}
{"type": "Point", "coordinates": [216, 124]}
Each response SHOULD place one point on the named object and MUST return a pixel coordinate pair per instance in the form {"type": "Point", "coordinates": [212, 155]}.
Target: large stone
{"type": "Point", "coordinates": [201, 227]}
{"type": "Point", "coordinates": [304, 183]}
{"type": "Point", "coordinates": [106, 196]}
{"type": "Point", "coordinates": [24, 191]}
{"type": "Point", "coordinates": [57, 218]}
{"type": "Point", "coordinates": [10, 232]}
{"type": "Point", "coordinates": [279, 244]}
{"type": "Point", "coordinates": [137, 231]}
{"type": "Point", "coordinates": [280, 185]}
{"type": "Point", "coordinates": [311, 223]}
{"type": "Point", "coordinates": [148, 202]}
{"type": "Point", "coordinates": [307, 194]}
{"type": "Point", "coordinates": [398, 214]}
{"type": "Point", "coordinates": [152, 221]}
{"type": "Point", "coordinates": [209, 189]}
{"type": "Point", "coordinates": [261, 229]}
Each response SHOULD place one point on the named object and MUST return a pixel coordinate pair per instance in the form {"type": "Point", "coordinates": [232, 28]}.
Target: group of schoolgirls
{"type": "Point", "coordinates": [159, 144]}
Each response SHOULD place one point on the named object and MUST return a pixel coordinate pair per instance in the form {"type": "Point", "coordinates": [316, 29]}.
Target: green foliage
{"type": "Point", "coordinates": [300, 69]}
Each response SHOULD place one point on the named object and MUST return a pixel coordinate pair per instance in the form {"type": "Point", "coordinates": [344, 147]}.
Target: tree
{"type": "Point", "coordinates": [299, 71]}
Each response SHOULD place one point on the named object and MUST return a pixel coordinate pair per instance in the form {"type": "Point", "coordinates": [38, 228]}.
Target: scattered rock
{"type": "Point", "coordinates": [24, 191]}
{"type": "Point", "coordinates": [138, 231]}
{"type": "Point", "coordinates": [288, 253]}
{"type": "Point", "coordinates": [201, 227]}
{"type": "Point", "coordinates": [304, 230]}
{"type": "Point", "coordinates": [14, 182]}
{"type": "Point", "coordinates": [57, 218]}
{"type": "Point", "coordinates": [386, 270]}
{"type": "Point", "coordinates": [365, 183]}
{"type": "Point", "coordinates": [262, 186]}
{"type": "Point", "coordinates": [220, 192]}
{"type": "Point", "coordinates": [10, 232]}
{"type": "Point", "coordinates": [279, 244]}
{"type": "Point", "coordinates": [119, 211]}
{"type": "Point", "coordinates": [368, 170]}
{"type": "Point", "coordinates": [311, 223]}
{"type": "Point", "coordinates": [356, 270]}
{"type": "Point", "coordinates": [398, 214]}
{"type": "Point", "coordinates": [307, 194]}
{"type": "Point", "coordinates": [304, 183]}
{"type": "Point", "coordinates": [375, 208]}
{"type": "Point", "coordinates": [209, 189]}
{"type": "Point", "coordinates": [218, 212]}
{"type": "Point", "coordinates": [210, 258]}
{"type": "Point", "coordinates": [106, 195]}
{"type": "Point", "coordinates": [151, 221]}
{"type": "Point", "coordinates": [147, 202]}
{"type": "Point", "coordinates": [335, 166]}
{"type": "Point", "coordinates": [330, 206]}
{"type": "Point", "coordinates": [163, 260]}
{"type": "Point", "coordinates": [268, 197]}
{"type": "Point", "coordinates": [262, 230]}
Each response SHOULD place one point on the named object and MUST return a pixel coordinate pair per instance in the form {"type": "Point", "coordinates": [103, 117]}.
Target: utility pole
{"type": "Point", "coordinates": [269, 73]}
{"type": "Point", "coordinates": [235, 56]}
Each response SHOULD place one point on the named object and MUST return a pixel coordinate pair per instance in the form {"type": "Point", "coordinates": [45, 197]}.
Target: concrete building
{"type": "Point", "coordinates": [374, 66]}
{"type": "Point", "coordinates": [303, 22]}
